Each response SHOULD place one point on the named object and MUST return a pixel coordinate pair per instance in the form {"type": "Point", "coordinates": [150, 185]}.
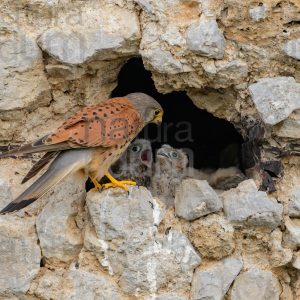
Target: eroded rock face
{"type": "Point", "coordinates": [56, 226]}
{"type": "Point", "coordinates": [206, 39]}
{"type": "Point", "coordinates": [238, 60]}
{"type": "Point", "coordinates": [195, 198]}
{"type": "Point", "coordinates": [275, 98]}
{"type": "Point", "coordinates": [213, 282]}
{"type": "Point", "coordinates": [129, 244]}
{"type": "Point", "coordinates": [95, 40]}
{"type": "Point", "coordinates": [88, 285]}
{"type": "Point", "coordinates": [20, 255]}
{"type": "Point", "coordinates": [292, 48]}
{"type": "Point", "coordinates": [220, 228]}
{"type": "Point", "coordinates": [248, 207]}
{"type": "Point", "coordinates": [22, 59]}
{"type": "Point", "coordinates": [259, 284]}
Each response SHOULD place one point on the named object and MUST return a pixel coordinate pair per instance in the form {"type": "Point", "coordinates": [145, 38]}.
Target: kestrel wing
{"type": "Point", "coordinates": [39, 145]}
{"type": "Point", "coordinates": [110, 123]}
{"type": "Point", "coordinates": [107, 124]}
{"type": "Point", "coordinates": [45, 160]}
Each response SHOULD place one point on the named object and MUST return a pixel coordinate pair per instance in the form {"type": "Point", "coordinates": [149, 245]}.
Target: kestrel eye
{"type": "Point", "coordinates": [136, 148]}
{"type": "Point", "coordinates": [174, 154]}
{"type": "Point", "coordinates": [157, 112]}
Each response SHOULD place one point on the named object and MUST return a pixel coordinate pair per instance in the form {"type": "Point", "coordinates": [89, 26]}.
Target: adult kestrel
{"type": "Point", "coordinates": [135, 163]}
{"type": "Point", "coordinates": [91, 141]}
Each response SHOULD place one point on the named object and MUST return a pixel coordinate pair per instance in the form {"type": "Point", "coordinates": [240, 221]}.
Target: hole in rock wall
{"type": "Point", "coordinates": [210, 142]}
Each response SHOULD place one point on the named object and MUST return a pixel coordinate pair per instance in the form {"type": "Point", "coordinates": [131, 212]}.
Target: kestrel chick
{"type": "Point", "coordinates": [135, 163]}
{"type": "Point", "coordinates": [90, 141]}
{"type": "Point", "coordinates": [169, 170]}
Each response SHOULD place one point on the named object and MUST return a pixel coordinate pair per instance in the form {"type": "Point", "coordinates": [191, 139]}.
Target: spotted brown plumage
{"type": "Point", "coordinates": [90, 141]}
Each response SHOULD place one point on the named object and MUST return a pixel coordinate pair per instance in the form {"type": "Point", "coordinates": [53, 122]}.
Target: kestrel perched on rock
{"type": "Point", "coordinates": [91, 141]}
{"type": "Point", "coordinates": [135, 163]}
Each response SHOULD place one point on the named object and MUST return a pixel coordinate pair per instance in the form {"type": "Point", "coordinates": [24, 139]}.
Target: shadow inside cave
{"type": "Point", "coordinates": [210, 142]}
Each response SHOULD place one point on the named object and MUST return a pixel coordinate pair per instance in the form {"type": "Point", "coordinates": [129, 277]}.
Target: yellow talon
{"type": "Point", "coordinates": [97, 185]}
{"type": "Point", "coordinates": [116, 183]}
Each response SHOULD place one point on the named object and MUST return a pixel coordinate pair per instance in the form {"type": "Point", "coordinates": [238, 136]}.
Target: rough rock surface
{"type": "Point", "coordinates": [56, 226]}
{"type": "Point", "coordinates": [195, 198]}
{"type": "Point", "coordinates": [256, 284]}
{"type": "Point", "coordinates": [292, 234]}
{"type": "Point", "coordinates": [248, 207]}
{"type": "Point", "coordinates": [148, 261]}
{"type": "Point", "coordinates": [86, 285]}
{"type": "Point", "coordinates": [219, 227]}
{"type": "Point", "coordinates": [213, 282]}
{"type": "Point", "coordinates": [238, 60]}
{"type": "Point", "coordinates": [275, 98]}
{"type": "Point", "coordinates": [20, 255]}
{"type": "Point", "coordinates": [294, 203]}
{"type": "Point", "coordinates": [206, 39]}
{"type": "Point", "coordinates": [292, 49]}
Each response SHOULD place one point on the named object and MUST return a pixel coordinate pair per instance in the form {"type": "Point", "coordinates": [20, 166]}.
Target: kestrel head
{"type": "Point", "coordinates": [171, 160]}
{"type": "Point", "coordinates": [136, 161]}
{"type": "Point", "coordinates": [140, 152]}
{"type": "Point", "coordinates": [148, 107]}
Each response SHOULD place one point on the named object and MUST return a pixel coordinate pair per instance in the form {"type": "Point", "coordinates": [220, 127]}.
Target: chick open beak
{"type": "Point", "coordinates": [158, 118]}
{"type": "Point", "coordinates": [146, 158]}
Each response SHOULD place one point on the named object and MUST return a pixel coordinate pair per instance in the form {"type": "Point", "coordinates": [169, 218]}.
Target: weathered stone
{"type": "Point", "coordinates": [292, 234]}
{"type": "Point", "coordinates": [114, 214]}
{"type": "Point", "coordinates": [126, 241]}
{"type": "Point", "coordinates": [214, 281]}
{"type": "Point", "coordinates": [248, 207]}
{"type": "Point", "coordinates": [294, 203]}
{"type": "Point", "coordinates": [292, 48]}
{"type": "Point", "coordinates": [173, 36]}
{"type": "Point", "coordinates": [280, 256]}
{"type": "Point", "coordinates": [58, 234]}
{"type": "Point", "coordinates": [235, 70]}
{"type": "Point", "coordinates": [256, 284]}
{"type": "Point", "coordinates": [195, 198]}
{"type": "Point", "coordinates": [146, 5]}
{"type": "Point", "coordinates": [23, 83]}
{"type": "Point", "coordinates": [258, 13]}
{"type": "Point", "coordinates": [275, 98]}
{"type": "Point", "coordinates": [168, 296]}
{"type": "Point", "coordinates": [206, 39]}
{"type": "Point", "coordinates": [202, 231]}
{"type": "Point", "coordinates": [5, 192]}
{"type": "Point", "coordinates": [80, 47]}
{"type": "Point", "coordinates": [168, 261]}
{"type": "Point", "coordinates": [296, 260]}
{"type": "Point", "coordinates": [48, 285]}
{"type": "Point", "coordinates": [12, 172]}
{"type": "Point", "coordinates": [162, 61]}
{"type": "Point", "coordinates": [290, 127]}
{"type": "Point", "coordinates": [86, 285]}
{"type": "Point", "coordinates": [20, 255]}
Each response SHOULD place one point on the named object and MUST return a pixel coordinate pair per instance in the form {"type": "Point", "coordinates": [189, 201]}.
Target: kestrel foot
{"type": "Point", "coordinates": [116, 183]}
{"type": "Point", "coordinates": [97, 185]}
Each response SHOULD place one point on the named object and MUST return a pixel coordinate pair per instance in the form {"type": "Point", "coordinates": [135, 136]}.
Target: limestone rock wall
{"type": "Point", "coordinates": [238, 60]}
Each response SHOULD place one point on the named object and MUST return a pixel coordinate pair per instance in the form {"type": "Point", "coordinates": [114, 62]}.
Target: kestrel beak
{"type": "Point", "coordinates": [158, 118]}
{"type": "Point", "coordinates": [146, 158]}
{"type": "Point", "coordinates": [161, 152]}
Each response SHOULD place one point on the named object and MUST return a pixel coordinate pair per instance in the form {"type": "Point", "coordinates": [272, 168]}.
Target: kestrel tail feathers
{"type": "Point", "coordinates": [62, 166]}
